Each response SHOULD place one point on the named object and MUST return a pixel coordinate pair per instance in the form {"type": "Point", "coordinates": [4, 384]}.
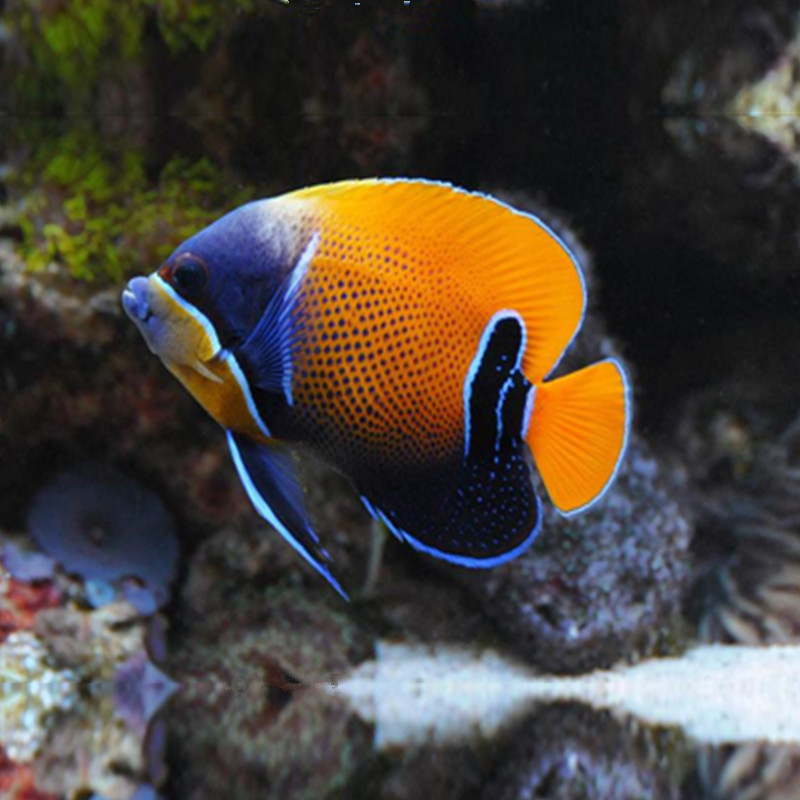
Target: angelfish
{"type": "Point", "coordinates": [402, 331]}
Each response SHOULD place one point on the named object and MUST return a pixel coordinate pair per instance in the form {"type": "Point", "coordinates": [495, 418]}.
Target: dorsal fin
{"type": "Point", "coordinates": [502, 257]}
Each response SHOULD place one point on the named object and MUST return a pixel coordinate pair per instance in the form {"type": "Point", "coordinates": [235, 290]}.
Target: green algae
{"type": "Point", "coordinates": [185, 23]}
{"type": "Point", "coordinates": [65, 51]}
{"type": "Point", "coordinates": [102, 212]}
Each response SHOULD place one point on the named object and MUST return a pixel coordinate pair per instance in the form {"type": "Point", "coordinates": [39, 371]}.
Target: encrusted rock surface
{"type": "Point", "coordinates": [599, 587]}
{"type": "Point", "coordinates": [248, 715]}
{"type": "Point", "coordinates": [747, 587]}
{"type": "Point", "coordinates": [566, 752]}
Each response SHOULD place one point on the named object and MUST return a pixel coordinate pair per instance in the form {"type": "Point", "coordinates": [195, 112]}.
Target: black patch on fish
{"type": "Point", "coordinates": [481, 509]}
{"type": "Point", "coordinates": [495, 390]}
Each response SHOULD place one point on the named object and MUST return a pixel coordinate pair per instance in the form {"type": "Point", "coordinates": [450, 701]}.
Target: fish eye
{"type": "Point", "coordinates": [190, 274]}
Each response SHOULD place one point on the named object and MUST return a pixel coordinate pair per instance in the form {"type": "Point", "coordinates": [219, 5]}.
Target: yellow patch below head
{"type": "Point", "coordinates": [190, 349]}
{"type": "Point", "coordinates": [187, 337]}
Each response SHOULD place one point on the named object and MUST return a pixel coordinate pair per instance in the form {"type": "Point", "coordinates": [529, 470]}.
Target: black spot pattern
{"type": "Point", "coordinates": [371, 377]}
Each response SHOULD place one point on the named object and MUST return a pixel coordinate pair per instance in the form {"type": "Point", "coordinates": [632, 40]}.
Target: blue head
{"type": "Point", "coordinates": [209, 294]}
{"type": "Point", "coordinates": [205, 300]}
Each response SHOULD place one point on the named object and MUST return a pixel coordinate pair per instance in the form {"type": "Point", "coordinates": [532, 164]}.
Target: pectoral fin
{"type": "Point", "coordinates": [266, 354]}
{"type": "Point", "coordinates": [269, 476]}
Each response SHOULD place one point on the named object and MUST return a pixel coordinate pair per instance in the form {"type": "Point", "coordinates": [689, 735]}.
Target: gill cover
{"type": "Point", "coordinates": [179, 335]}
{"type": "Point", "coordinates": [189, 347]}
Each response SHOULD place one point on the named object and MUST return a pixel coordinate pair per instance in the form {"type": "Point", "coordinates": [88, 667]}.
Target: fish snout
{"type": "Point", "coordinates": [135, 300]}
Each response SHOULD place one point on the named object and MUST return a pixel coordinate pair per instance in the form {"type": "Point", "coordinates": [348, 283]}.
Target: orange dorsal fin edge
{"type": "Point", "coordinates": [501, 257]}
{"type": "Point", "coordinates": [578, 431]}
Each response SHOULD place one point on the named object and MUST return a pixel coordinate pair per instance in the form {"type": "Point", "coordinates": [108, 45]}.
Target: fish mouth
{"type": "Point", "coordinates": [135, 302]}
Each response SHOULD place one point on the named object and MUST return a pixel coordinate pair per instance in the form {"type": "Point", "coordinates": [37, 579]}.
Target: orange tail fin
{"type": "Point", "coordinates": [578, 431]}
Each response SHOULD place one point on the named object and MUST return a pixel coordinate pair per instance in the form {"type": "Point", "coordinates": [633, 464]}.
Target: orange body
{"type": "Point", "coordinates": [404, 280]}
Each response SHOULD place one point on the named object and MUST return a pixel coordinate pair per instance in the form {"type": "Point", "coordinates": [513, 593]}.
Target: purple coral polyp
{"type": "Point", "coordinates": [26, 567]}
{"type": "Point", "coordinates": [101, 525]}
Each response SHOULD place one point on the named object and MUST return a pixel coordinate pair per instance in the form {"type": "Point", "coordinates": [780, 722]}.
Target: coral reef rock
{"type": "Point", "coordinates": [248, 705]}
{"type": "Point", "coordinates": [91, 751]}
{"type": "Point", "coordinates": [748, 578]}
{"type": "Point", "coordinates": [21, 601]}
{"type": "Point", "coordinates": [30, 689]}
{"type": "Point", "coordinates": [601, 586]}
{"type": "Point", "coordinates": [567, 752]}
{"type": "Point", "coordinates": [756, 770]}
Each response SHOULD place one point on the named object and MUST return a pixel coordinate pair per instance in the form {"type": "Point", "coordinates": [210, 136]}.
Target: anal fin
{"type": "Point", "coordinates": [269, 477]}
